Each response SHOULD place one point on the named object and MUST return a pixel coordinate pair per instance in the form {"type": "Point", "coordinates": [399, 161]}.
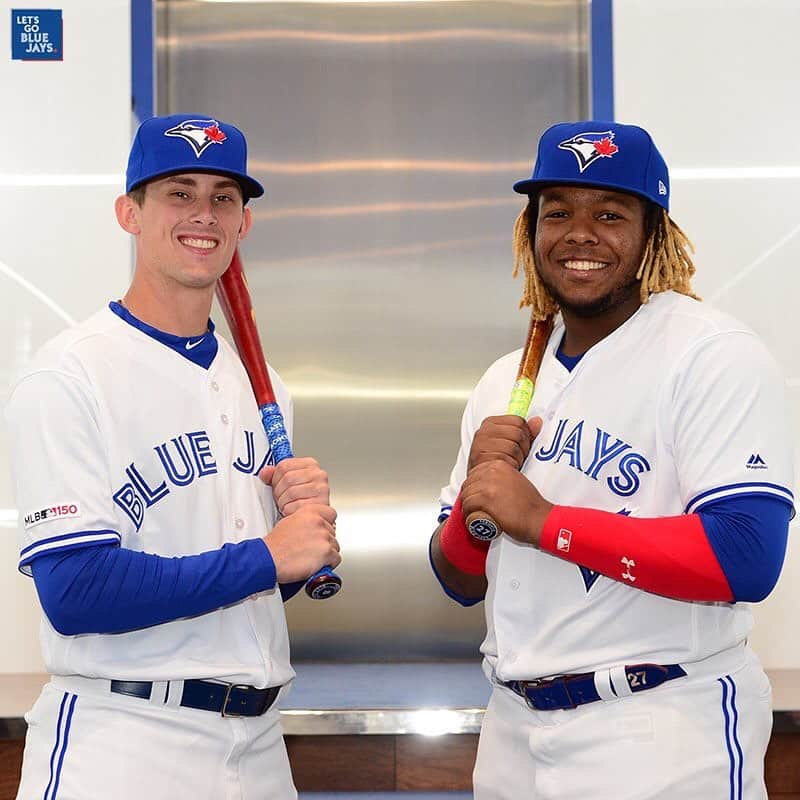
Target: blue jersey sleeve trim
{"type": "Point", "coordinates": [444, 513]}
{"type": "Point", "coordinates": [748, 534]}
{"type": "Point", "coordinates": [460, 599]}
{"type": "Point", "coordinates": [106, 590]}
{"type": "Point", "coordinates": [62, 543]}
{"type": "Point", "coordinates": [734, 489]}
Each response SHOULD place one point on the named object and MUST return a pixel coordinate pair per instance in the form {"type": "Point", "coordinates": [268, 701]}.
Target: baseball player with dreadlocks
{"type": "Point", "coordinates": [644, 502]}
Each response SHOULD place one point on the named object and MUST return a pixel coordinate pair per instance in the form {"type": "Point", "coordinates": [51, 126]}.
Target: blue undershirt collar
{"type": "Point", "coordinates": [200, 350]}
{"type": "Point", "coordinates": [570, 362]}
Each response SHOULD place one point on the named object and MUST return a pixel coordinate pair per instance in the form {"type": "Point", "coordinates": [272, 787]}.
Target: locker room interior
{"type": "Point", "coordinates": [387, 136]}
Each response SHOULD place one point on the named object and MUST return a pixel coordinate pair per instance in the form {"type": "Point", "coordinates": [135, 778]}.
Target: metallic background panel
{"type": "Point", "coordinates": [387, 135]}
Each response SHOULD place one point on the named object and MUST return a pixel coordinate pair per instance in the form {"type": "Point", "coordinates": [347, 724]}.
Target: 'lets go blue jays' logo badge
{"type": "Point", "coordinates": [589, 147]}
{"type": "Point", "coordinates": [199, 133]}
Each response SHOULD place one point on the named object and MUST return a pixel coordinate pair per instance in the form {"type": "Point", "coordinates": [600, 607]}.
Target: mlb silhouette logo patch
{"type": "Point", "coordinates": [590, 147]}
{"type": "Point", "coordinates": [564, 540]}
{"type": "Point", "coordinates": [200, 134]}
{"type": "Point", "coordinates": [37, 34]}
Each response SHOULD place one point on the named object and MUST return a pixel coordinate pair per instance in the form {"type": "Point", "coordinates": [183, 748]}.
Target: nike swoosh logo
{"type": "Point", "coordinates": [192, 345]}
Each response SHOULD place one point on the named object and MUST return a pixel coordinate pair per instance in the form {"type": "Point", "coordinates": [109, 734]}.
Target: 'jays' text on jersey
{"type": "Point", "coordinates": [678, 407]}
{"type": "Point", "coordinates": [120, 439]}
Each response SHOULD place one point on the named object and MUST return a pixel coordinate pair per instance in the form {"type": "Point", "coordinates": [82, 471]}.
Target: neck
{"type": "Point", "coordinates": [581, 333]}
{"type": "Point", "coordinates": [179, 310]}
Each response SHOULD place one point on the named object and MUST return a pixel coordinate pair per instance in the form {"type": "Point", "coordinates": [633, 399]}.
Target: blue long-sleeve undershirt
{"type": "Point", "coordinates": [748, 535]}
{"type": "Point", "coordinates": [109, 589]}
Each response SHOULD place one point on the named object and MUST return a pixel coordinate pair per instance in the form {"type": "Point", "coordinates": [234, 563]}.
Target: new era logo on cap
{"type": "Point", "coordinates": [199, 133]}
{"type": "Point", "coordinates": [590, 147]}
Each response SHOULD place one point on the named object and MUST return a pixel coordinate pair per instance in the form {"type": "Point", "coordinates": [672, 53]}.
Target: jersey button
{"type": "Point", "coordinates": [224, 419]}
{"type": "Point", "coordinates": [215, 386]}
{"type": "Point", "coordinates": [239, 522]}
{"type": "Point", "coordinates": [515, 585]}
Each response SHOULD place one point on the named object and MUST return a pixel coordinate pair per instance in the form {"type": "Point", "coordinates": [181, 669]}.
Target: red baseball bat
{"type": "Point", "coordinates": [237, 306]}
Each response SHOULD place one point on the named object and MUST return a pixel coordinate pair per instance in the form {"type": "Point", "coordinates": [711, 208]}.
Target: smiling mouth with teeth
{"type": "Point", "coordinates": [203, 244]}
{"type": "Point", "coordinates": [585, 266]}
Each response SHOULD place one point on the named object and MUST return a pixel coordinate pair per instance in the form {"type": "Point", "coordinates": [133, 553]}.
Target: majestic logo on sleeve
{"type": "Point", "coordinates": [199, 133]}
{"type": "Point", "coordinates": [590, 147]}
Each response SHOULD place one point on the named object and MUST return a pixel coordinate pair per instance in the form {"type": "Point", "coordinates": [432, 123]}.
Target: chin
{"type": "Point", "coordinates": [589, 308]}
{"type": "Point", "coordinates": [199, 281]}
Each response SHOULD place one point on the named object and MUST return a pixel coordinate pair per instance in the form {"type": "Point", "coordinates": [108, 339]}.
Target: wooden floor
{"type": "Point", "coordinates": [413, 763]}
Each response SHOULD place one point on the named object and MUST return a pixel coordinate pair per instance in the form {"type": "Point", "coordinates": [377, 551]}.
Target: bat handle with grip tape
{"type": "Point", "coordinates": [324, 583]}
{"type": "Point", "coordinates": [480, 524]}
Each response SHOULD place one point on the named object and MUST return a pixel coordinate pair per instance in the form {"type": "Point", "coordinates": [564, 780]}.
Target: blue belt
{"type": "Point", "coordinates": [571, 691]}
{"type": "Point", "coordinates": [228, 699]}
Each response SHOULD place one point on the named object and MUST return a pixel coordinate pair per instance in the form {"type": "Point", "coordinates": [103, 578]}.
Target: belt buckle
{"type": "Point", "coordinates": [534, 684]}
{"type": "Point", "coordinates": [559, 682]}
{"type": "Point", "coordinates": [525, 685]}
{"type": "Point", "coordinates": [230, 687]}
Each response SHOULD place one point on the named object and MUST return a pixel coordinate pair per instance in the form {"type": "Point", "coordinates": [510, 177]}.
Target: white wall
{"type": "Point", "coordinates": [64, 140]}
{"type": "Point", "coordinates": [715, 81]}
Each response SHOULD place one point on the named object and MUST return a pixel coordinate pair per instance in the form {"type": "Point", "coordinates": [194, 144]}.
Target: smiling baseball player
{"type": "Point", "coordinates": [644, 502]}
{"type": "Point", "coordinates": [148, 508]}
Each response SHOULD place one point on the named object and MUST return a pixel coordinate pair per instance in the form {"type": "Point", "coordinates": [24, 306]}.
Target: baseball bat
{"type": "Point", "coordinates": [237, 306]}
{"type": "Point", "coordinates": [479, 523]}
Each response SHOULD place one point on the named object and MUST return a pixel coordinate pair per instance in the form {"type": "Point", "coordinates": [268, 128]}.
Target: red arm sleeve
{"type": "Point", "coordinates": [670, 556]}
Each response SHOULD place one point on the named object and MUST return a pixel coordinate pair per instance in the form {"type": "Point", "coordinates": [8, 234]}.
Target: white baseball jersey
{"type": "Point", "coordinates": [679, 406]}
{"type": "Point", "coordinates": [118, 438]}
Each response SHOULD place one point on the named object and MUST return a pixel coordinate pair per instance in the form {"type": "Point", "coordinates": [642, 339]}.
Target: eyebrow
{"type": "Point", "coordinates": [224, 183]}
{"type": "Point", "coordinates": [629, 201]}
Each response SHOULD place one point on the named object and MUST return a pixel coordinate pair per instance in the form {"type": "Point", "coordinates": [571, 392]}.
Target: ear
{"type": "Point", "coordinates": [247, 221]}
{"type": "Point", "coordinates": [127, 212]}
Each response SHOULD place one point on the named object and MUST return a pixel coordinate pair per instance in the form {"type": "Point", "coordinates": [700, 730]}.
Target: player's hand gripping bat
{"type": "Point", "coordinates": [480, 524]}
{"type": "Point", "coordinates": [234, 298]}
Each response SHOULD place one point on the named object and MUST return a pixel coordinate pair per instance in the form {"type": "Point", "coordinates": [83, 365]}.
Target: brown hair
{"type": "Point", "coordinates": [137, 194]}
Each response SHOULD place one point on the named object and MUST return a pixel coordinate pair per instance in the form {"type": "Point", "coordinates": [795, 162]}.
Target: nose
{"type": "Point", "coordinates": [203, 212]}
{"type": "Point", "coordinates": [581, 231]}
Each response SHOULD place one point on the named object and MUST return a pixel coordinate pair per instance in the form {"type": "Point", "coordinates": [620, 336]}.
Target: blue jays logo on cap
{"type": "Point", "coordinates": [189, 143]}
{"type": "Point", "coordinates": [199, 133]}
{"type": "Point", "coordinates": [590, 147]}
{"type": "Point", "coordinates": [600, 153]}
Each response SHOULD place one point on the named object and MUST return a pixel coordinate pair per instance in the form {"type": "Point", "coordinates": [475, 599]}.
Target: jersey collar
{"type": "Point", "coordinates": [200, 350]}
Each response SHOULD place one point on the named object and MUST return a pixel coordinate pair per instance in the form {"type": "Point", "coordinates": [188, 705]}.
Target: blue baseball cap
{"type": "Point", "coordinates": [189, 143]}
{"type": "Point", "coordinates": [603, 154]}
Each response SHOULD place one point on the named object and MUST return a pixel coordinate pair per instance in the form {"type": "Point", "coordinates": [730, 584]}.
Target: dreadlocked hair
{"type": "Point", "coordinates": [666, 260]}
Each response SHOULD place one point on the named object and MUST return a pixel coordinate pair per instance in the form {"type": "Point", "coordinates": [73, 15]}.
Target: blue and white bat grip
{"type": "Point", "coordinates": [326, 582]}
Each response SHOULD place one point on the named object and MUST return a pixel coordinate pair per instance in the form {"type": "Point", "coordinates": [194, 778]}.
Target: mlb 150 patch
{"type": "Point", "coordinates": [37, 34]}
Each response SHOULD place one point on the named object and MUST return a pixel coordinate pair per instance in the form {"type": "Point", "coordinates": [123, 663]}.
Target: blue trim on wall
{"type": "Point", "coordinates": [142, 59]}
{"type": "Point", "coordinates": [601, 47]}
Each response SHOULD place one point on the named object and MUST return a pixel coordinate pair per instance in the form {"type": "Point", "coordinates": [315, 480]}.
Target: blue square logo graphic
{"type": "Point", "coordinates": [37, 34]}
